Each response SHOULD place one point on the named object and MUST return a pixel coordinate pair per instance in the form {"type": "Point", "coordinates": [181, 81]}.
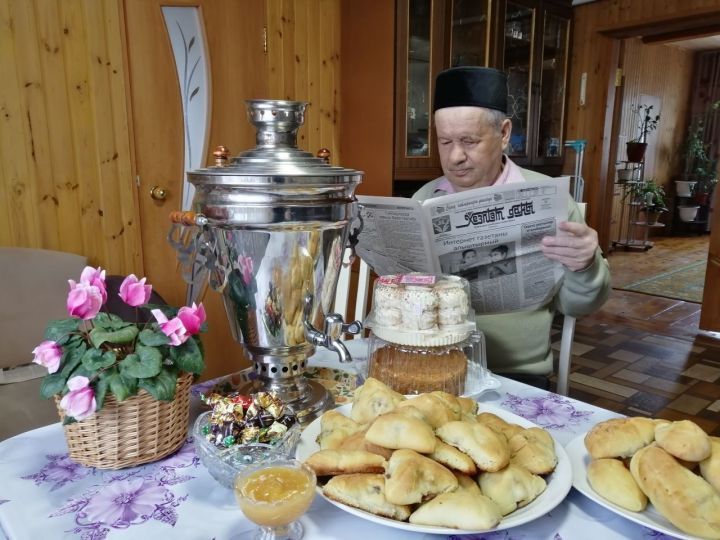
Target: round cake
{"type": "Point", "coordinates": [420, 302]}
{"type": "Point", "coordinates": [414, 370]}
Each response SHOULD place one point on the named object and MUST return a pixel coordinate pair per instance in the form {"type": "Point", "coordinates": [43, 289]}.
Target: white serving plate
{"type": "Point", "coordinates": [650, 517]}
{"type": "Point", "coordinates": [558, 483]}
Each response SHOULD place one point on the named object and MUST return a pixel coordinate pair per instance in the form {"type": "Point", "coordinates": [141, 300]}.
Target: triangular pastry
{"type": "Point", "coordinates": [511, 488]}
{"type": "Point", "coordinates": [366, 492]}
{"type": "Point", "coordinates": [487, 449]}
{"type": "Point", "coordinates": [333, 462]}
{"type": "Point", "coordinates": [465, 508]}
{"type": "Point", "coordinates": [334, 428]}
{"type": "Point", "coordinates": [412, 478]}
{"type": "Point", "coordinates": [394, 430]}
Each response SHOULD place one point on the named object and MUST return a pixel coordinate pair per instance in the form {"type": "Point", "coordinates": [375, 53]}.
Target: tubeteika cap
{"type": "Point", "coordinates": [471, 87]}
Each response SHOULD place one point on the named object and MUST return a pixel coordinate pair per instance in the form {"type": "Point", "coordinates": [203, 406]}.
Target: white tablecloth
{"type": "Point", "coordinates": [44, 495]}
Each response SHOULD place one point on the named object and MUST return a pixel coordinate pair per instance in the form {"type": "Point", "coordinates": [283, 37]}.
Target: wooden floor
{"type": "Point", "coordinates": [644, 355]}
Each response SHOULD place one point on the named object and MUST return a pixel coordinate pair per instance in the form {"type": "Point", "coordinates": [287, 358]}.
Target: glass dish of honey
{"type": "Point", "coordinates": [274, 495]}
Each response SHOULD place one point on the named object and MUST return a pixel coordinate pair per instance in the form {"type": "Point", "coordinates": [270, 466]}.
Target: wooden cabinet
{"type": "Point", "coordinates": [528, 39]}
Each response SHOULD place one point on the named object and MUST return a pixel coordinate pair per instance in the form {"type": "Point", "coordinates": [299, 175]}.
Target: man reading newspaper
{"type": "Point", "coordinates": [473, 132]}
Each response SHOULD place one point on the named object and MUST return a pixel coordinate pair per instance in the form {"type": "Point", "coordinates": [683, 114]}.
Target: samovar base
{"type": "Point", "coordinates": [314, 401]}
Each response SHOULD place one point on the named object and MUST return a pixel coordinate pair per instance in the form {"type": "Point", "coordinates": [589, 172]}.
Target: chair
{"type": "Point", "coordinates": [568, 334]}
{"type": "Point", "coordinates": [34, 287]}
{"type": "Point", "coordinates": [342, 293]}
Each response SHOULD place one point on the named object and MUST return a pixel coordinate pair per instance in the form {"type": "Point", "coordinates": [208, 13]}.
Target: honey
{"type": "Point", "coordinates": [275, 495]}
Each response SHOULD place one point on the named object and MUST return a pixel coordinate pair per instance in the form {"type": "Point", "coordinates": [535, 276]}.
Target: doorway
{"type": "Point", "coordinates": [679, 246]}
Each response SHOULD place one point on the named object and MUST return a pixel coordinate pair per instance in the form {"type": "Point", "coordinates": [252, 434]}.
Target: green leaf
{"type": "Point", "coordinates": [161, 387]}
{"type": "Point", "coordinates": [131, 383]}
{"type": "Point", "coordinates": [101, 388]}
{"type": "Point", "coordinates": [118, 386]}
{"type": "Point", "coordinates": [95, 359]}
{"type": "Point", "coordinates": [187, 357]}
{"type": "Point", "coordinates": [152, 338]}
{"type": "Point", "coordinates": [68, 420]}
{"type": "Point", "coordinates": [108, 321]}
{"type": "Point", "coordinates": [59, 331]}
{"type": "Point", "coordinates": [72, 358]}
{"type": "Point", "coordinates": [146, 363]}
{"type": "Point", "coordinates": [52, 384]}
{"type": "Point", "coordinates": [124, 335]}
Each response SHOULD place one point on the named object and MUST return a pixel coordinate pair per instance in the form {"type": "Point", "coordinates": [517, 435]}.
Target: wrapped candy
{"type": "Point", "coordinates": [242, 419]}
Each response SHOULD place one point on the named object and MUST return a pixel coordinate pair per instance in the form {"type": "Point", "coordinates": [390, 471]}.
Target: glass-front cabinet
{"type": "Point", "coordinates": [529, 39]}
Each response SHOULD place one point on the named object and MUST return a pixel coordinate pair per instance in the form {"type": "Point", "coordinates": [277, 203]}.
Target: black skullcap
{"type": "Point", "coordinates": [471, 87]}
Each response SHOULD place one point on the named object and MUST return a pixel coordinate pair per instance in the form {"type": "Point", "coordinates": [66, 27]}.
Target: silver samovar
{"type": "Point", "coordinates": [270, 228]}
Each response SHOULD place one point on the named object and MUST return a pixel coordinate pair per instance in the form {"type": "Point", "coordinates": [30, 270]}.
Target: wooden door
{"type": "Point", "coordinates": [237, 71]}
{"type": "Point", "coordinates": [710, 312]}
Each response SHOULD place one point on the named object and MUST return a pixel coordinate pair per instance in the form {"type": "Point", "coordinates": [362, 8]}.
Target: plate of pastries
{"type": "Point", "coordinates": [662, 474]}
{"type": "Point", "coordinates": [434, 463]}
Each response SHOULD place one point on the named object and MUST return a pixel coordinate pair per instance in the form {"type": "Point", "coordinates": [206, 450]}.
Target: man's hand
{"type": "Point", "coordinates": [575, 249]}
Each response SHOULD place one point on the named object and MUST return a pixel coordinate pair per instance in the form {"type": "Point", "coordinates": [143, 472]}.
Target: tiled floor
{"type": "Point", "coordinates": [643, 355]}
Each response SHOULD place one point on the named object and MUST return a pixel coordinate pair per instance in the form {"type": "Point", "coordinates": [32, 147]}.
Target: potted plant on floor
{"type": "Point", "coordinates": [700, 167]}
{"type": "Point", "coordinates": [646, 123]}
{"type": "Point", "coordinates": [651, 197]}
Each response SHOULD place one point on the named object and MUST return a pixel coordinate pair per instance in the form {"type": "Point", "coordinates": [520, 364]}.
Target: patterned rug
{"type": "Point", "coordinates": [683, 283]}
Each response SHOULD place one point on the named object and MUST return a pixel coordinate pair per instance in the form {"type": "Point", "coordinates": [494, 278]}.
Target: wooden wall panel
{"type": "Point", "coordinates": [303, 39]}
{"type": "Point", "coordinates": [65, 155]}
{"type": "Point", "coordinates": [592, 53]}
{"type": "Point", "coordinates": [367, 92]}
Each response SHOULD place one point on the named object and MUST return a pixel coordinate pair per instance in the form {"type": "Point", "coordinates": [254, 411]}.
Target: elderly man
{"type": "Point", "coordinates": [473, 132]}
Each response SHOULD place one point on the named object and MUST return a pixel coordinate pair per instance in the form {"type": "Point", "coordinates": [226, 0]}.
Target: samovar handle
{"type": "Point", "coordinates": [334, 329]}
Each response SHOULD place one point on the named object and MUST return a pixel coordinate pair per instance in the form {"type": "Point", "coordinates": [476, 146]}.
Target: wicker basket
{"type": "Point", "coordinates": [131, 432]}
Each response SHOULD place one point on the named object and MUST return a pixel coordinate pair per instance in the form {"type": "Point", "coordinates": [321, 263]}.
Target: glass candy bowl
{"type": "Point", "coordinates": [224, 464]}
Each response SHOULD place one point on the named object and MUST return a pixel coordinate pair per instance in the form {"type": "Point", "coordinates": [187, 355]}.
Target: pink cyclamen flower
{"type": "Point", "coordinates": [173, 329]}
{"type": "Point", "coordinates": [96, 277]}
{"type": "Point", "coordinates": [192, 317]}
{"type": "Point", "coordinates": [246, 268]}
{"type": "Point", "coordinates": [134, 292]}
{"type": "Point", "coordinates": [80, 402]}
{"type": "Point", "coordinates": [48, 354]}
{"type": "Point", "coordinates": [84, 301]}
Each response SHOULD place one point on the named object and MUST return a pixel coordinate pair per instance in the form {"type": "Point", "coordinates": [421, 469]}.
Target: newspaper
{"type": "Point", "coordinates": [490, 236]}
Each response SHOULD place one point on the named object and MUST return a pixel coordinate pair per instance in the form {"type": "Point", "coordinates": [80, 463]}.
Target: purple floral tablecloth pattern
{"type": "Point", "coordinates": [43, 494]}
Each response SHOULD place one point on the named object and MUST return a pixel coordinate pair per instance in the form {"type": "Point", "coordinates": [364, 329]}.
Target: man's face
{"type": "Point", "coordinates": [497, 255]}
{"type": "Point", "coordinates": [470, 146]}
{"type": "Point", "coordinates": [469, 258]}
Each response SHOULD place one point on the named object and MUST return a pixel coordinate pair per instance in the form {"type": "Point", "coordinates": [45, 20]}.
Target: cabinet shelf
{"type": "Point", "coordinates": [528, 39]}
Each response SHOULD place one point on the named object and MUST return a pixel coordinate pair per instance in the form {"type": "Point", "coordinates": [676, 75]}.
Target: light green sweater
{"type": "Point", "coordinates": [519, 342]}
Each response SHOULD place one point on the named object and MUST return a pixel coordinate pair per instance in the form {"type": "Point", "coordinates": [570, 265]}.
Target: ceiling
{"type": "Point", "coordinates": [705, 43]}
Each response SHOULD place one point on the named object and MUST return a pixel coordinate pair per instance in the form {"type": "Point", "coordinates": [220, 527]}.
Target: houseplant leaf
{"type": "Point", "coordinates": [146, 362]}
{"type": "Point", "coordinates": [161, 387]}
{"type": "Point", "coordinates": [124, 335]}
{"type": "Point", "coordinates": [95, 359]}
{"type": "Point", "coordinates": [108, 321]}
{"type": "Point", "coordinates": [118, 386]}
{"type": "Point", "coordinates": [59, 331]}
{"type": "Point", "coordinates": [152, 338]}
{"type": "Point", "coordinates": [187, 357]}
{"type": "Point", "coordinates": [54, 383]}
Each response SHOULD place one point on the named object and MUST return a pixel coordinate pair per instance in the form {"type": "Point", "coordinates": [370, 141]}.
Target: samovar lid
{"type": "Point", "coordinates": [276, 160]}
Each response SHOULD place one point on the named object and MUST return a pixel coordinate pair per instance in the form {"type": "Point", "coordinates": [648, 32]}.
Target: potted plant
{"type": "Point", "coordinates": [650, 196]}
{"type": "Point", "coordinates": [646, 122]}
{"type": "Point", "coordinates": [117, 384]}
{"type": "Point", "coordinates": [700, 168]}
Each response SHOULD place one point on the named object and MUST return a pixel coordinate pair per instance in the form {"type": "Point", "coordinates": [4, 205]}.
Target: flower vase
{"type": "Point", "coordinates": [137, 430]}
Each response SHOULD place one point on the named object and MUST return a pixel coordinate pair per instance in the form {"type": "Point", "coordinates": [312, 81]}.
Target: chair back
{"type": "Point", "coordinates": [344, 286]}
{"type": "Point", "coordinates": [34, 288]}
{"type": "Point", "coordinates": [568, 334]}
